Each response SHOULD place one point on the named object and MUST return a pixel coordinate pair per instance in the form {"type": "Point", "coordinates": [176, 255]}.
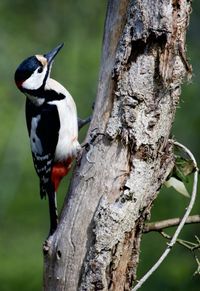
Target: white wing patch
{"type": "Point", "coordinates": [36, 145]}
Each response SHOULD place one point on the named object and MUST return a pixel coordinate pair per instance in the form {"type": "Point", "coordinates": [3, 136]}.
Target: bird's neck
{"type": "Point", "coordinates": [53, 85]}
{"type": "Point", "coordinates": [52, 91]}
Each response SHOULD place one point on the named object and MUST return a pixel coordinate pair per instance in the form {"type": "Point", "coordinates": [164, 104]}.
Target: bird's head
{"type": "Point", "coordinates": [33, 72]}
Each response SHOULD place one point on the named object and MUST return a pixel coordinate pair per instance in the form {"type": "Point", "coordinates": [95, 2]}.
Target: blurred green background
{"type": "Point", "coordinates": [30, 27]}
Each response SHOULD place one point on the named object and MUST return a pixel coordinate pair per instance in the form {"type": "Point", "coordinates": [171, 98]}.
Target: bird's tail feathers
{"type": "Point", "coordinates": [53, 211]}
{"type": "Point", "coordinates": [48, 190]}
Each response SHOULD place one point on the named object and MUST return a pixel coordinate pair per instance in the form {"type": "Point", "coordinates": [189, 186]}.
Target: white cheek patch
{"type": "Point", "coordinates": [35, 81]}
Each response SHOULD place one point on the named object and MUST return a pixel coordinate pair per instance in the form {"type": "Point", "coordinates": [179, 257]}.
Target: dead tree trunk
{"type": "Point", "coordinates": [96, 245]}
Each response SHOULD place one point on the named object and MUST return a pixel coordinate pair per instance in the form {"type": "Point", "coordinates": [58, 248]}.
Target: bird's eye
{"type": "Point", "coordinates": [40, 69]}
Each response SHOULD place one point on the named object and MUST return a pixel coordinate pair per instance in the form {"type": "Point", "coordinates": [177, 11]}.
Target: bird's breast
{"type": "Point", "coordinates": [68, 144]}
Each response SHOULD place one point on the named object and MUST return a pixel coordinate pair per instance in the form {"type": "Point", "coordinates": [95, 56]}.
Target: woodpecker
{"type": "Point", "coordinates": [52, 123]}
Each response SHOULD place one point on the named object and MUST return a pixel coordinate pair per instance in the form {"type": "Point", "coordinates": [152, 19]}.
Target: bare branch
{"type": "Point", "coordinates": [182, 222]}
{"type": "Point", "coordinates": [160, 225]}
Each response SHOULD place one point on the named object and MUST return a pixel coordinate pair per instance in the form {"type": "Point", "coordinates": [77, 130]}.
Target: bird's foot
{"type": "Point", "coordinates": [83, 122]}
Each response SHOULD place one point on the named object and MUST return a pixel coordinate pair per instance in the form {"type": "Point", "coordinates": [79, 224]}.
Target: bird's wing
{"type": "Point", "coordinates": [43, 126]}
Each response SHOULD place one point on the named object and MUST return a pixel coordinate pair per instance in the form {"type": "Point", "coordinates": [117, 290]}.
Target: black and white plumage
{"type": "Point", "coordinates": [52, 124]}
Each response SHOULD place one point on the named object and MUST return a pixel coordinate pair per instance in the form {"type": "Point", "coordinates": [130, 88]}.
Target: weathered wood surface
{"type": "Point", "coordinates": [96, 245]}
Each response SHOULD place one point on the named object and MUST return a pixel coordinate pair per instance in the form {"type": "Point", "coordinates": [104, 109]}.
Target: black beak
{"type": "Point", "coordinates": [51, 55]}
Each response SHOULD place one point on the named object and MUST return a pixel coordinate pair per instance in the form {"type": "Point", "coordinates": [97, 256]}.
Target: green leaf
{"type": "Point", "coordinates": [182, 168]}
{"type": "Point", "coordinates": [178, 185]}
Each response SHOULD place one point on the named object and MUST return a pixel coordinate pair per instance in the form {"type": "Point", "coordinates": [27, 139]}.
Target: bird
{"type": "Point", "coordinates": [52, 123]}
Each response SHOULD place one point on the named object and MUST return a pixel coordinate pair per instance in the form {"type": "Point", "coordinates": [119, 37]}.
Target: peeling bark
{"type": "Point", "coordinates": [96, 245]}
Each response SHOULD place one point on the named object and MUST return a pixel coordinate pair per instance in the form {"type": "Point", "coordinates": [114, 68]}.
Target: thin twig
{"type": "Point", "coordinates": [190, 246]}
{"type": "Point", "coordinates": [159, 225]}
{"type": "Point", "coordinates": [182, 222]}
{"type": "Point", "coordinates": [187, 244]}
{"type": "Point", "coordinates": [198, 240]}
{"type": "Point", "coordinates": [83, 122]}
{"type": "Point", "coordinates": [197, 272]}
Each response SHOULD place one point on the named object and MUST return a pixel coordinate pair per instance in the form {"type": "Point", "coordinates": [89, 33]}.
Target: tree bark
{"type": "Point", "coordinates": [96, 245]}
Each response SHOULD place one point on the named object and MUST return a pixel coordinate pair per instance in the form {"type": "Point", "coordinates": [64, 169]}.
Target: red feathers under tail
{"type": "Point", "coordinates": [59, 170]}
